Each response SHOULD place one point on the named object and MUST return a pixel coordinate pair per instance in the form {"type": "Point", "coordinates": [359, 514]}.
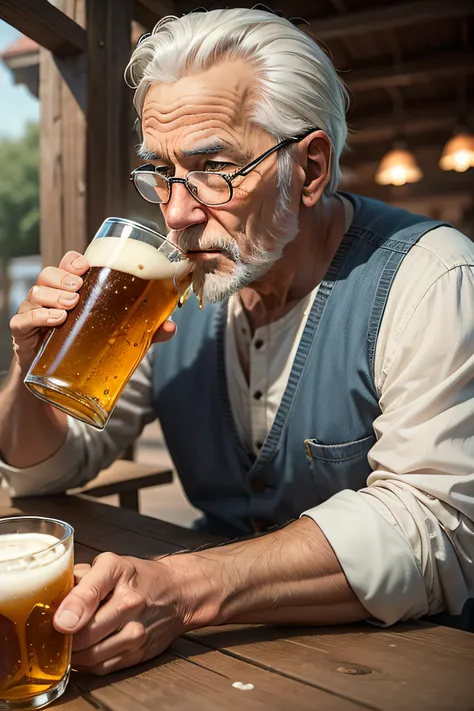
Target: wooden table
{"type": "Point", "coordinates": [409, 667]}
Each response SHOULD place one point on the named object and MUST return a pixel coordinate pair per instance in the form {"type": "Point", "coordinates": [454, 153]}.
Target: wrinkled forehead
{"type": "Point", "coordinates": [214, 104]}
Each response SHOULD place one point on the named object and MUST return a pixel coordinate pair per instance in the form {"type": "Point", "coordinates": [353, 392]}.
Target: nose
{"type": "Point", "coordinates": [182, 210]}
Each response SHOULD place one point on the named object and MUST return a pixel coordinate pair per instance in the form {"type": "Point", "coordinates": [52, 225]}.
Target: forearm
{"type": "Point", "coordinates": [290, 576]}
{"type": "Point", "coordinates": [31, 431]}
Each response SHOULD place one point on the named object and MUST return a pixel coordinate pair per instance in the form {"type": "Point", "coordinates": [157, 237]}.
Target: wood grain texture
{"type": "Point", "coordinates": [409, 666]}
{"type": "Point", "coordinates": [109, 122]}
{"type": "Point", "coordinates": [190, 676]}
{"type": "Point", "coordinates": [45, 24]}
{"type": "Point", "coordinates": [124, 476]}
{"type": "Point", "coordinates": [62, 147]}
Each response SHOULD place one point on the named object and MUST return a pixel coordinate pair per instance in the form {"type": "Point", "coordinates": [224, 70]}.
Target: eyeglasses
{"type": "Point", "coordinates": [208, 188]}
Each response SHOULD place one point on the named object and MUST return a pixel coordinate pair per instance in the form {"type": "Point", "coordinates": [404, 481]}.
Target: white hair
{"type": "Point", "coordinates": [297, 87]}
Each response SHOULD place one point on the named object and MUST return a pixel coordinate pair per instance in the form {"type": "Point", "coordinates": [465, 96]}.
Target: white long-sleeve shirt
{"type": "Point", "coordinates": [405, 541]}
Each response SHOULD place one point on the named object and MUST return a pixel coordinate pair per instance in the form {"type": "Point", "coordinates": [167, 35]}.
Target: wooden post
{"type": "Point", "coordinates": [62, 146]}
{"type": "Point", "coordinates": [109, 116]}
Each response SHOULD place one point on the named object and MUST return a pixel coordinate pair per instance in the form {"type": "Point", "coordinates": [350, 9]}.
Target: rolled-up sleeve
{"type": "Point", "coordinates": [86, 450]}
{"type": "Point", "coordinates": [406, 541]}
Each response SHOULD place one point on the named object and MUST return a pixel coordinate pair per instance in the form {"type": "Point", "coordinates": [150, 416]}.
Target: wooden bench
{"type": "Point", "coordinates": [125, 478]}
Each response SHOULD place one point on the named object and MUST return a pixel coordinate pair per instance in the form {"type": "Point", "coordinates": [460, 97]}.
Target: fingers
{"type": "Point", "coordinates": [74, 263]}
{"type": "Point", "coordinates": [124, 606]}
{"type": "Point", "coordinates": [165, 332]}
{"type": "Point", "coordinates": [27, 323]}
{"type": "Point", "coordinates": [78, 608]}
{"type": "Point", "coordinates": [49, 300]}
{"type": "Point", "coordinates": [80, 569]}
{"type": "Point", "coordinates": [121, 661]}
{"type": "Point", "coordinates": [132, 638]}
{"type": "Point", "coordinates": [49, 297]}
{"type": "Point", "coordinates": [57, 279]}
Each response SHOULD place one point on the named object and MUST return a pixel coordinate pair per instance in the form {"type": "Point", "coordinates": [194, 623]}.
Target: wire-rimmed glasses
{"type": "Point", "coordinates": [207, 187]}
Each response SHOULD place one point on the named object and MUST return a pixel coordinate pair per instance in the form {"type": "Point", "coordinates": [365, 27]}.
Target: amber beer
{"type": "Point", "coordinates": [129, 291]}
{"type": "Point", "coordinates": [36, 573]}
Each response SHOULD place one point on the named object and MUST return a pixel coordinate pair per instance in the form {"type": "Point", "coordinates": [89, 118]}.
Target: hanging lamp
{"type": "Point", "coordinates": [458, 153]}
{"type": "Point", "coordinates": [399, 165]}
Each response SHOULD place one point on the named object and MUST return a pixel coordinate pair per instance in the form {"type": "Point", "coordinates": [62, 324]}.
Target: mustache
{"type": "Point", "coordinates": [190, 241]}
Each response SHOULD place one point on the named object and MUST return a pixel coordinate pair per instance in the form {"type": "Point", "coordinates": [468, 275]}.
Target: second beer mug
{"type": "Point", "coordinates": [134, 283]}
{"type": "Point", "coordinates": [36, 574]}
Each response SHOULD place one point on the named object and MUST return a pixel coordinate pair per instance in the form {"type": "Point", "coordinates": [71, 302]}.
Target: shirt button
{"type": "Point", "coordinates": [257, 394]}
{"type": "Point", "coordinates": [258, 344]}
{"type": "Point", "coordinates": [259, 445]}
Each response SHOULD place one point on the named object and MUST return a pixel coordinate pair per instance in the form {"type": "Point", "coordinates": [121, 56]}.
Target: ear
{"type": "Point", "coordinates": [316, 155]}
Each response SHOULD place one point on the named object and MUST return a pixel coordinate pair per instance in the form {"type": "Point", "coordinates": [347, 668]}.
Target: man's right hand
{"type": "Point", "coordinates": [46, 306]}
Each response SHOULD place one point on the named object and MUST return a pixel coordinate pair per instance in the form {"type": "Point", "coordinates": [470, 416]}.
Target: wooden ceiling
{"type": "Point", "coordinates": [407, 66]}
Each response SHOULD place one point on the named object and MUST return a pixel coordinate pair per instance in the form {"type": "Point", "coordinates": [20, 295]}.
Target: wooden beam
{"type": "Point", "coordinates": [358, 155]}
{"type": "Point", "coordinates": [376, 127]}
{"type": "Point", "coordinates": [160, 8]}
{"type": "Point", "coordinates": [389, 17]}
{"type": "Point", "coordinates": [339, 6]}
{"type": "Point", "coordinates": [149, 12]}
{"type": "Point", "coordinates": [62, 150]}
{"type": "Point", "coordinates": [435, 66]}
{"type": "Point", "coordinates": [46, 24]}
{"type": "Point", "coordinates": [109, 109]}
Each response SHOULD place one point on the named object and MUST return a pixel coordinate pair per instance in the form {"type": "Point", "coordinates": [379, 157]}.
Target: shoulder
{"type": "Point", "coordinates": [428, 283]}
{"type": "Point", "coordinates": [445, 246]}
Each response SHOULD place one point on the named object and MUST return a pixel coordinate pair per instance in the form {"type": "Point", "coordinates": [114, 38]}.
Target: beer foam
{"type": "Point", "coordinates": [28, 563]}
{"type": "Point", "coordinates": [130, 256]}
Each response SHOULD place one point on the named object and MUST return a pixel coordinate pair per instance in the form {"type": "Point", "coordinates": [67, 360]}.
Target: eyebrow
{"type": "Point", "coordinates": [214, 146]}
{"type": "Point", "coordinates": [145, 154]}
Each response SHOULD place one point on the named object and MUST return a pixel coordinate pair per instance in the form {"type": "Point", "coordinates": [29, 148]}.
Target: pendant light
{"type": "Point", "coordinates": [399, 165]}
{"type": "Point", "coordinates": [458, 153]}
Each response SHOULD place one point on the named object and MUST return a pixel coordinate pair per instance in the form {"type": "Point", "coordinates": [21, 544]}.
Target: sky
{"type": "Point", "coordinates": [17, 106]}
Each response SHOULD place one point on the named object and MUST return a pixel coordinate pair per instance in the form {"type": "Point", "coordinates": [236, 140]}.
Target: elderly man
{"type": "Point", "coordinates": [328, 384]}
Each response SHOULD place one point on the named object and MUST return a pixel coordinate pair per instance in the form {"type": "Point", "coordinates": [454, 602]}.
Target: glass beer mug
{"type": "Point", "coordinates": [36, 574]}
{"type": "Point", "coordinates": [135, 281]}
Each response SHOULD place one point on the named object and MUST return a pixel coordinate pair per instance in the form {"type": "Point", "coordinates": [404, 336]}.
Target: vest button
{"type": "Point", "coordinates": [257, 394]}
{"type": "Point", "coordinates": [258, 344]}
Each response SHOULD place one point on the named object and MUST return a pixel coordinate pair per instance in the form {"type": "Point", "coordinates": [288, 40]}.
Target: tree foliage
{"type": "Point", "coordinates": [19, 195]}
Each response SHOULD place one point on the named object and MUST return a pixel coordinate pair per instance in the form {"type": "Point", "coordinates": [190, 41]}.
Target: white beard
{"type": "Point", "coordinates": [212, 286]}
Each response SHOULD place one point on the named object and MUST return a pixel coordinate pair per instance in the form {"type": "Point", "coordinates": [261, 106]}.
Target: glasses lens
{"type": "Point", "coordinates": [152, 186]}
{"type": "Point", "coordinates": [209, 188]}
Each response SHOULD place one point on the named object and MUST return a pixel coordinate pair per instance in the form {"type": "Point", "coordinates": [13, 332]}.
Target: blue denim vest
{"type": "Point", "coordinates": [323, 429]}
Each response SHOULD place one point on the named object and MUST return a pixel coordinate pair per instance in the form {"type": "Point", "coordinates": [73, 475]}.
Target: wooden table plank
{"type": "Point", "coordinates": [125, 519]}
{"type": "Point", "coordinates": [417, 666]}
{"type": "Point", "coordinates": [93, 532]}
{"type": "Point", "coordinates": [411, 666]}
{"type": "Point", "coordinates": [132, 521]}
{"type": "Point", "coordinates": [190, 676]}
{"type": "Point", "coordinates": [73, 701]}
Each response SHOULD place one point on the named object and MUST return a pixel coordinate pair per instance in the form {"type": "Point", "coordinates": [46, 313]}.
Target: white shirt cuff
{"type": "Point", "coordinates": [377, 561]}
{"type": "Point", "coordinates": [53, 476]}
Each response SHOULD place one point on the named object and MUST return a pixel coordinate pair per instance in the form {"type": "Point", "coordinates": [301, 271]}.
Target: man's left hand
{"type": "Point", "coordinates": [122, 611]}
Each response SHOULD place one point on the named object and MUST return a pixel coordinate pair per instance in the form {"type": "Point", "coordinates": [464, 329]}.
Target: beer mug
{"type": "Point", "coordinates": [135, 281]}
{"type": "Point", "coordinates": [36, 574]}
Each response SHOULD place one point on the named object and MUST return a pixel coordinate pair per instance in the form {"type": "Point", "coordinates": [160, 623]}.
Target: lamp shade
{"type": "Point", "coordinates": [458, 153]}
{"type": "Point", "coordinates": [398, 167]}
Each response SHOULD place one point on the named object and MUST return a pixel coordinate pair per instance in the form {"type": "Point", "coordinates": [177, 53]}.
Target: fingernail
{"type": "Point", "coordinates": [68, 299]}
{"type": "Point", "coordinates": [55, 315]}
{"type": "Point", "coordinates": [68, 620]}
{"type": "Point", "coordinates": [72, 282]}
{"type": "Point", "coordinates": [79, 262]}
